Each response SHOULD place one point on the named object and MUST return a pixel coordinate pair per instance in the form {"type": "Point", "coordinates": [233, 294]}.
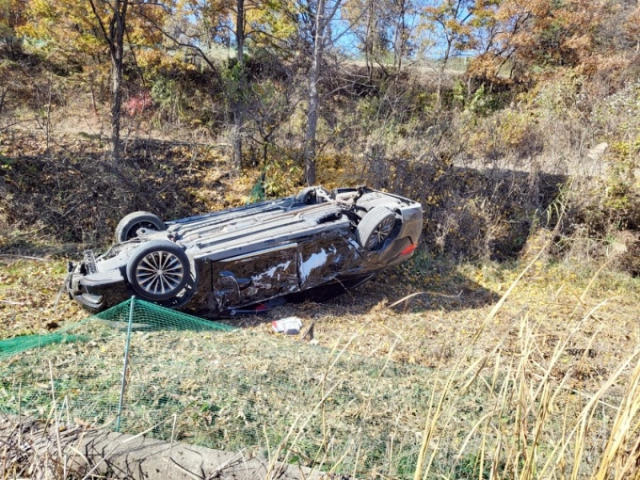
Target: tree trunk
{"type": "Point", "coordinates": [441, 73]}
{"type": "Point", "coordinates": [313, 97]}
{"type": "Point", "coordinates": [310, 135]}
{"type": "Point", "coordinates": [401, 36]}
{"type": "Point", "coordinates": [116, 33]}
{"type": "Point", "coordinates": [116, 93]}
{"type": "Point", "coordinates": [115, 40]}
{"type": "Point", "coordinates": [238, 103]}
{"type": "Point", "coordinates": [369, 41]}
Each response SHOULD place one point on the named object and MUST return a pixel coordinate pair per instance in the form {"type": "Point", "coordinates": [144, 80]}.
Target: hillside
{"type": "Point", "coordinates": [507, 347]}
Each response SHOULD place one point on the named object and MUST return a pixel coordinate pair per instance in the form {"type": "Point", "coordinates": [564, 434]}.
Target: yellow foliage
{"type": "Point", "coordinates": [71, 28]}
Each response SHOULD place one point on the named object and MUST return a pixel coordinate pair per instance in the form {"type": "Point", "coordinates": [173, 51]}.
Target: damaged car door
{"type": "Point", "coordinates": [324, 259]}
{"type": "Point", "coordinates": [255, 276]}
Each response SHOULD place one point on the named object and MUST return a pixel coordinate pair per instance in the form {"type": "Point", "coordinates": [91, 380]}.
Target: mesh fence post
{"type": "Point", "coordinates": [126, 365]}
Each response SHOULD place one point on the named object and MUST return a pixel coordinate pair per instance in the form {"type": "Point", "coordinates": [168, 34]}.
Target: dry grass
{"type": "Point", "coordinates": [31, 296]}
{"type": "Point", "coordinates": [546, 386]}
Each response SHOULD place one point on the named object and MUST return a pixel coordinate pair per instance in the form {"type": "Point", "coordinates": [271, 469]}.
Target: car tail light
{"type": "Point", "coordinates": [408, 251]}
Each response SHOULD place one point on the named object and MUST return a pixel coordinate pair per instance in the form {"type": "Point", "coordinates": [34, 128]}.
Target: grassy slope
{"type": "Point", "coordinates": [552, 345]}
{"type": "Point", "coordinates": [428, 328]}
{"type": "Point", "coordinates": [557, 340]}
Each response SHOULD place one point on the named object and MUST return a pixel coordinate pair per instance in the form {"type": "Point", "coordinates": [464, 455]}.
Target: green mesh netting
{"type": "Point", "coordinates": [147, 316]}
{"type": "Point", "coordinates": [205, 383]}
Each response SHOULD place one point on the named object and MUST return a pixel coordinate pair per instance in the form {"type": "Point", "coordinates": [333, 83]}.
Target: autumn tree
{"type": "Point", "coordinates": [451, 21]}
{"type": "Point", "coordinates": [321, 14]}
{"type": "Point", "coordinates": [114, 36]}
{"type": "Point", "coordinates": [280, 32]}
{"type": "Point", "coordinates": [543, 35]}
{"type": "Point", "coordinates": [76, 31]}
{"type": "Point", "coordinates": [11, 18]}
{"type": "Point", "coordinates": [65, 32]}
{"type": "Point", "coordinates": [200, 27]}
{"type": "Point", "coordinates": [384, 31]}
{"type": "Point", "coordinates": [238, 105]}
{"type": "Point", "coordinates": [281, 26]}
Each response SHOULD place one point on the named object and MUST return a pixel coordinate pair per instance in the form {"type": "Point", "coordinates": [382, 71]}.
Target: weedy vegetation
{"type": "Point", "coordinates": [508, 347]}
{"type": "Point", "coordinates": [541, 382]}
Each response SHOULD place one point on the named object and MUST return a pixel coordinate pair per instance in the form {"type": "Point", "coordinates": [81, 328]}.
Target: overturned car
{"type": "Point", "coordinates": [310, 245]}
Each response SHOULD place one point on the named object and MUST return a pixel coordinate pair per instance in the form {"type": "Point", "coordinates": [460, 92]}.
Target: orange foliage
{"type": "Point", "coordinates": [537, 35]}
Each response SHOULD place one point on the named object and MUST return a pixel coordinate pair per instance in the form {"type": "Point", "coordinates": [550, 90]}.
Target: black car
{"type": "Point", "coordinates": [300, 246]}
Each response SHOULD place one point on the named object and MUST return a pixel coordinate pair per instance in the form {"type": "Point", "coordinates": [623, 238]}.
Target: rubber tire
{"type": "Point", "coordinates": [369, 224]}
{"type": "Point", "coordinates": [189, 290]}
{"type": "Point", "coordinates": [158, 246]}
{"type": "Point", "coordinates": [303, 196]}
{"type": "Point", "coordinates": [131, 223]}
{"type": "Point", "coordinates": [305, 193]}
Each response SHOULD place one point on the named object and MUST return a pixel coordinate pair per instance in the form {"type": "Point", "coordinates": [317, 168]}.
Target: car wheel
{"type": "Point", "coordinates": [128, 227]}
{"type": "Point", "coordinates": [187, 292]}
{"type": "Point", "coordinates": [158, 271]}
{"type": "Point", "coordinates": [305, 195]}
{"type": "Point", "coordinates": [309, 195]}
{"type": "Point", "coordinates": [376, 228]}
